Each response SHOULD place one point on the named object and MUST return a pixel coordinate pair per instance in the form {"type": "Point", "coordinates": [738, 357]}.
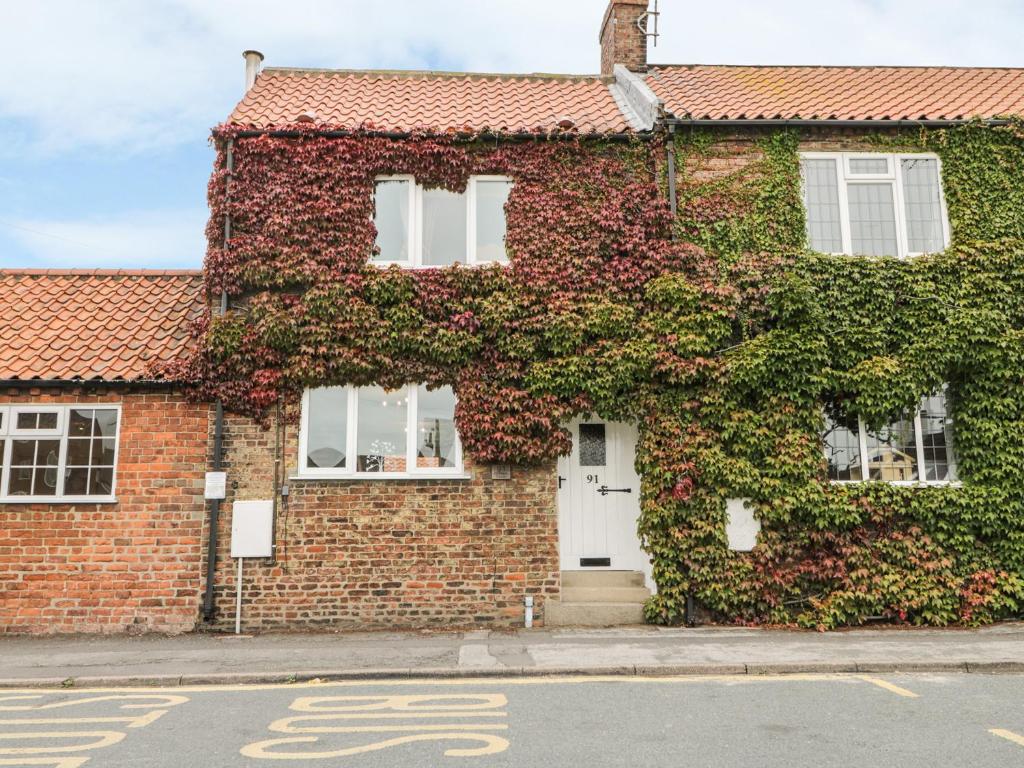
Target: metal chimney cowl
{"type": "Point", "coordinates": [253, 59]}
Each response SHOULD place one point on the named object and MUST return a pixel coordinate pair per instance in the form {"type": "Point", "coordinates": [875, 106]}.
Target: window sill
{"type": "Point", "coordinates": [58, 500]}
{"type": "Point", "coordinates": [904, 483]}
{"type": "Point", "coordinates": [463, 264]}
{"type": "Point", "coordinates": [368, 477]}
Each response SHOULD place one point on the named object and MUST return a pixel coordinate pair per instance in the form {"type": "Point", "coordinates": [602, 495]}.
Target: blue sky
{"type": "Point", "coordinates": [106, 105]}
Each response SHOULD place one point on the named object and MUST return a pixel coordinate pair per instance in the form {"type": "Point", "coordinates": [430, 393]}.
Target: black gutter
{"type": "Point", "coordinates": [802, 123]}
{"type": "Point", "coordinates": [461, 136]}
{"type": "Point", "coordinates": [86, 384]}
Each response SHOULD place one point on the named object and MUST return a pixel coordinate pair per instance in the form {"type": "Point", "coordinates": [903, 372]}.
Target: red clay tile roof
{"type": "Point", "coordinates": [94, 324]}
{"type": "Point", "coordinates": [402, 101]}
{"type": "Point", "coordinates": [702, 92]}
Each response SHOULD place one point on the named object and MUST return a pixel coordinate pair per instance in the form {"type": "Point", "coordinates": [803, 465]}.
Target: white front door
{"type": "Point", "coordinates": [599, 499]}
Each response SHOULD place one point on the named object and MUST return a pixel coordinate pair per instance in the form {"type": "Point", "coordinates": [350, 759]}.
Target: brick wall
{"type": "Point", "coordinates": [133, 565]}
{"type": "Point", "coordinates": [389, 553]}
{"type": "Point", "coordinates": [733, 149]}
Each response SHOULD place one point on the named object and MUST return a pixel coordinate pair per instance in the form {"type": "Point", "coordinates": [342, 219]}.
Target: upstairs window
{"type": "Point", "coordinates": [371, 432]}
{"type": "Point", "coordinates": [418, 227]}
{"type": "Point", "coordinates": [874, 205]}
{"type": "Point", "coordinates": [58, 453]}
{"type": "Point", "coordinates": [912, 448]}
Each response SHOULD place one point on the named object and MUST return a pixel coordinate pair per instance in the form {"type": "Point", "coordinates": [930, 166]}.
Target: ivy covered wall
{"type": "Point", "coordinates": [868, 337]}
{"type": "Point", "coordinates": [717, 333]}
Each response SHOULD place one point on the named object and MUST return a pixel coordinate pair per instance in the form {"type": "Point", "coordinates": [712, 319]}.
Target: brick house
{"type": "Point", "coordinates": [101, 519]}
{"type": "Point", "coordinates": [379, 517]}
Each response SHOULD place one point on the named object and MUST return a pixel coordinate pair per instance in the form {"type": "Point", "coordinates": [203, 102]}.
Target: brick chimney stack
{"type": "Point", "coordinates": [622, 39]}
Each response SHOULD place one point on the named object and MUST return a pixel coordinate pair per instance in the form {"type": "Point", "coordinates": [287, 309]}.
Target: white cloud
{"type": "Point", "coordinates": [150, 239]}
{"type": "Point", "coordinates": [125, 75]}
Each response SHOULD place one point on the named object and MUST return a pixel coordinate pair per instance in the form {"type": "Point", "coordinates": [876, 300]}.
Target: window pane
{"type": "Point", "coordinates": [80, 423]}
{"type": "Point", "coordinates": [923, 207]}
{"type": "Point", "coordinates": [23, 453]}
{"type": "Point", "coordinates": [103, 451]}
{"type": "Point", "coordinates": [78, 451]}
{"type": "Point", "coordinates": [101, 481]}
{"type": "Point", "coordinates": [444, 227]}
{"type": "Point", "coordinates": [491, 197]}
{"type": "Point", "coordinates": [381, 434]}
{"type": "Point", "coordinates": [842, 449]}
{"type": "Point", "coordinates": [76, 482]}
{"type": "Point", "coordinates": [869, 165]}
{"type": "Point", "coordinates": [892, 452]}
{"type": "Point", "coordinates": [435, 428]}
{"type": "Point", "coordinates": [821, 198]}
{"type": "Point", "coordinates": [937, 436]}
{"type": "Point", "coordinates": [391, 218]}
{"type": "Point", "coordinates": [45, 481]}
{"type": "Point", "coordinates": [20, 482]}
{"type": "Point", "coordinates": [28, 421]}
{"type": "Point", "coordinates": [872, 219]}
{"type": "Point", "coordinates": [592, 445]}
{"type": "Point", "coordinates": [105, 422]}
{"type": "Point", "coordinates": [327, 428]}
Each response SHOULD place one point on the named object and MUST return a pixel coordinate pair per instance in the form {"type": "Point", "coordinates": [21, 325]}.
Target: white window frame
{"type": "Point", "coordinates": [348, 472]}
{"type": "Point", "coordinates": [894, 176]}
{"type": "Point", "coordinates": [414, 236]}
{"type": "Point", "coordinates": [9, 433]}
{"type": "Point", "coordinates": [862, 443]}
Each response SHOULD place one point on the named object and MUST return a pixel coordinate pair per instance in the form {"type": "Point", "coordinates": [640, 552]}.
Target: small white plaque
{"type": "Point", "coordinates": [742, 527]}
{"type": "Point", "coordinates": [251, 528]}
{"type": "Point", "coordinates": [216, 485]}
{"type": "Point", "coordinates": [501, 471]}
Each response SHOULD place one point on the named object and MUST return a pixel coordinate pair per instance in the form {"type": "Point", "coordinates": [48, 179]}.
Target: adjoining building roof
{"type": "Point", "coordinates": [94, 324]}
{"type": "Point", "coordinates": [404, 101]}
{"type": "Point", "coordinates": [702, 92]}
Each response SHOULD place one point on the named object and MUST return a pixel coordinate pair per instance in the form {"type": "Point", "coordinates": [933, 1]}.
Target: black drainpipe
{"type": "Point", "coordinates": [670, 148]}
{"type": "Point", "coordinates": [218, 423]}
{"type": "Point", "coordinates": [690, 613]}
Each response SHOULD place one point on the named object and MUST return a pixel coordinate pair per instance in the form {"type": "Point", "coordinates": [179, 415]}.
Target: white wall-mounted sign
{"type": "Point", "coordinates": [216, 485]}
{"type": "Point", "coordinates": [252, 532]}
{"type": "Point", "coordinates": [742, 527]}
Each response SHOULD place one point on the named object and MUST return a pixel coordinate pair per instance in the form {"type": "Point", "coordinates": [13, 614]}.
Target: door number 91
{"type": "Point", "coordinates": [592, 479]}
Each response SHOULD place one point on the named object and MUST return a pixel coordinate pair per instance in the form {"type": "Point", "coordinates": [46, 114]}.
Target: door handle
{"type": "Point", "coordinates": [560, 481]}
{"type": "Point", "coordinates": [604, 490]}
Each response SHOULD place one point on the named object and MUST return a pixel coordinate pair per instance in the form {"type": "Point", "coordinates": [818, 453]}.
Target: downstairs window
{"type": "Point", "coordinates": [58, 453]}
{"type": "Point", "coordinates": [371, 432]}
{"type": "Point", "coordinates": [912, 448]}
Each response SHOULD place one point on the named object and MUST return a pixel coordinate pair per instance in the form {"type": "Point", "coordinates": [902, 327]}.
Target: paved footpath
{"type": "Point", "coordinates": [209, 658]}
{"type": "Point", "coordinates": [910, 720]}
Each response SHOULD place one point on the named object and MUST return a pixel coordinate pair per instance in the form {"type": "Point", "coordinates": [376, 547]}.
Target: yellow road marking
{"type": "Point", "coordinates": [103, 739]}
{"type": "Point", "coordinates": [53, 762]}
{"type": "Point", "coordinates": [132, 722]}
{"type": "Point", "coordinates": [491, 746]}
{"type": "Point", "coordinates": [1016, 738]}
{"type": "Point", "coordinates": [890, 687]}
{"type": "Point", "coordinates": [148, 701]}
{"type": "Point", "coordinates": [475, 681]}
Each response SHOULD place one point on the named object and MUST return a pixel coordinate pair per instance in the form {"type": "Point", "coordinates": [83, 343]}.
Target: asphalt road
{"type": "Point", "coordinates": [795, 720]}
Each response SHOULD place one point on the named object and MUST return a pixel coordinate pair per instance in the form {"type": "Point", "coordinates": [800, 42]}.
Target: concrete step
{"type": "Point", "coordinates": [558, 614]}
{"type": "Point", "coordinates": [602, 579]}
{"type": "Point", "coordinates": [605, 594]}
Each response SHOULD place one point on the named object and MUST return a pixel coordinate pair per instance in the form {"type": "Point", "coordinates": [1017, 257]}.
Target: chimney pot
{"type": "Point", "coordinates": [623, 41]}
{"type": "Point", "coordinates": [253, 59]}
